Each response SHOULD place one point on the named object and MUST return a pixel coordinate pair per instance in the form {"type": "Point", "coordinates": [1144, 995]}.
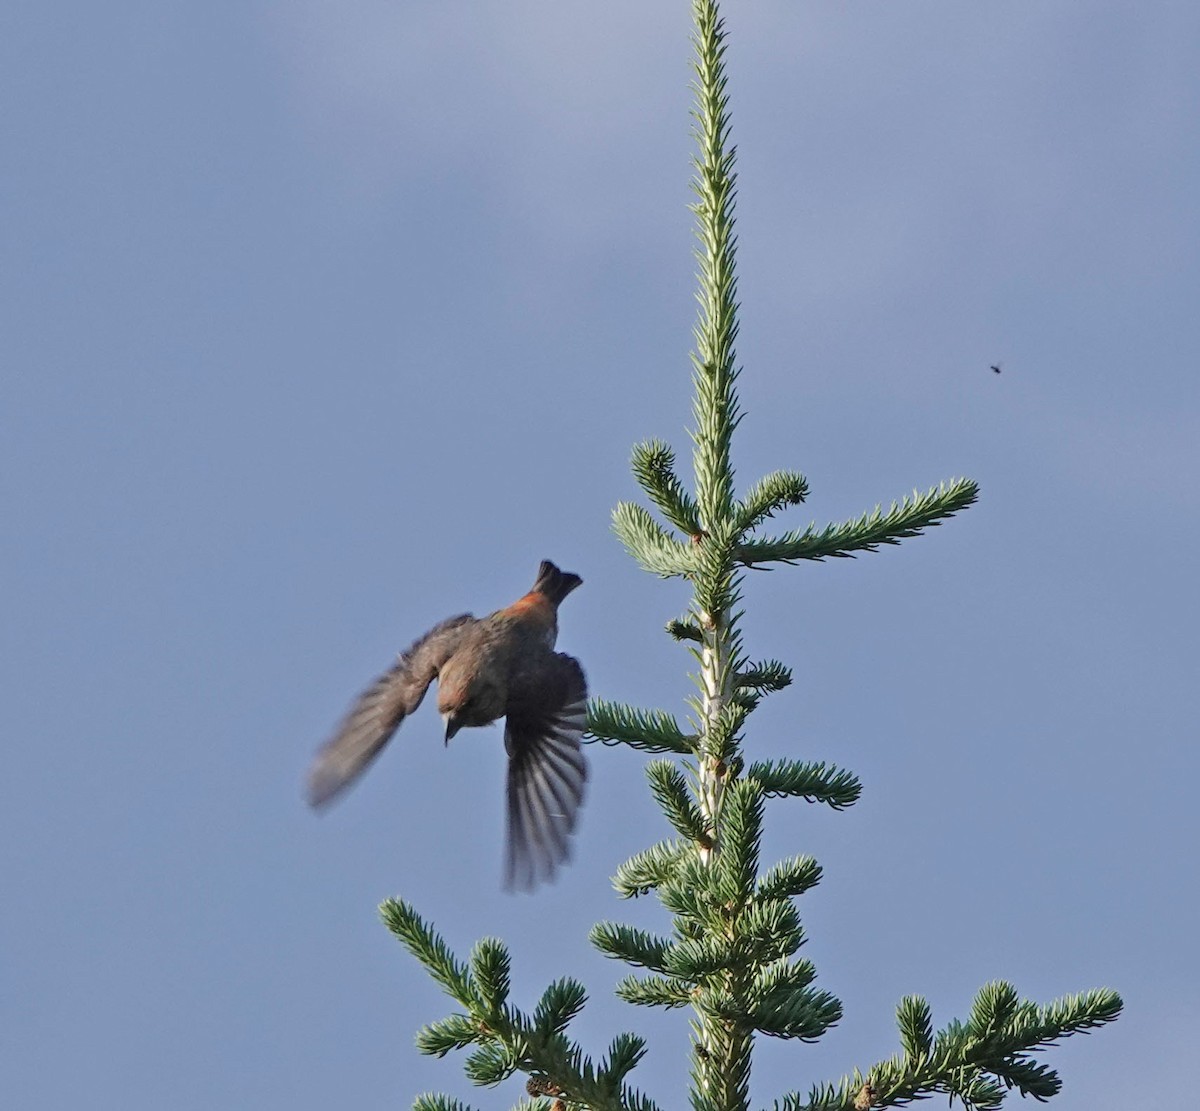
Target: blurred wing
{"type": "Point", "coordinates": [380, 709]}
{"type": "Point", "coordinates": [547, 715]}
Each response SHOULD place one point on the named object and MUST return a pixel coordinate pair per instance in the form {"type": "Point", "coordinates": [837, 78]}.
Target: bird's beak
{"type": "Point", "coordinates": [452, 726]}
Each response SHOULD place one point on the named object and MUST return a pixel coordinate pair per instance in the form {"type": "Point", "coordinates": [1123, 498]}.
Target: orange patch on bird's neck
{"type": "Point", "coordinates": [534, 605]}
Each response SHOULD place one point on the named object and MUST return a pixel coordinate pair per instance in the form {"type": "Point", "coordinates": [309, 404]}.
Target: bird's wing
{"type": "Point", "coordinates": [380, 709]}
{"type": "Point", "coordinates": [547, 714]}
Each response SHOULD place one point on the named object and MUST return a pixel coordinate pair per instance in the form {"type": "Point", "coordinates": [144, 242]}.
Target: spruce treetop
{"type": "Point", "coordinates": [731, 953]}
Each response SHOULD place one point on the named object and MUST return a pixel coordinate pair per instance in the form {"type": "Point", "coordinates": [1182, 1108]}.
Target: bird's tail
{"type": "Point", "coordinates": [553, 583]}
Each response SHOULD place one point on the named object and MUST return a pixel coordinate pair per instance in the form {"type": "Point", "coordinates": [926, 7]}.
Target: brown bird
{"type": "Point", "coordinates": [503, 665]}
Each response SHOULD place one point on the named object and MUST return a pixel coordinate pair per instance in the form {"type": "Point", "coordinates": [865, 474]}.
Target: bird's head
{"type": "Point", "coordinates": [467, 697]}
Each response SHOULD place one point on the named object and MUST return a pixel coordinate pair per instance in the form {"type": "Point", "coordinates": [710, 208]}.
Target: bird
{"type": "Point", "coordinates": [502, 665]}
{"type": "Point", "coordinates": [996, 367]}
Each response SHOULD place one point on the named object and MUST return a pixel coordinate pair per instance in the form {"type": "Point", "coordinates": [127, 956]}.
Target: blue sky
{"type": "Point", "coordinates": [324, 321]}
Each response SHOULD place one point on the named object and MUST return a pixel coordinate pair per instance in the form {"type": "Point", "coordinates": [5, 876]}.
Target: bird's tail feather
{"type": "Point", "coordinates": [553, 583]}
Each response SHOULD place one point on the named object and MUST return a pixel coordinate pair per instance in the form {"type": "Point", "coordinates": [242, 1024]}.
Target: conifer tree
{"type": "Point", "coordinates": [731, 954]}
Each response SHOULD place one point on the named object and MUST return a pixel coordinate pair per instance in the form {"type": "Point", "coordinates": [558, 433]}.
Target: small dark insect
{"type": "Point", "coordinates": [996, 367]}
